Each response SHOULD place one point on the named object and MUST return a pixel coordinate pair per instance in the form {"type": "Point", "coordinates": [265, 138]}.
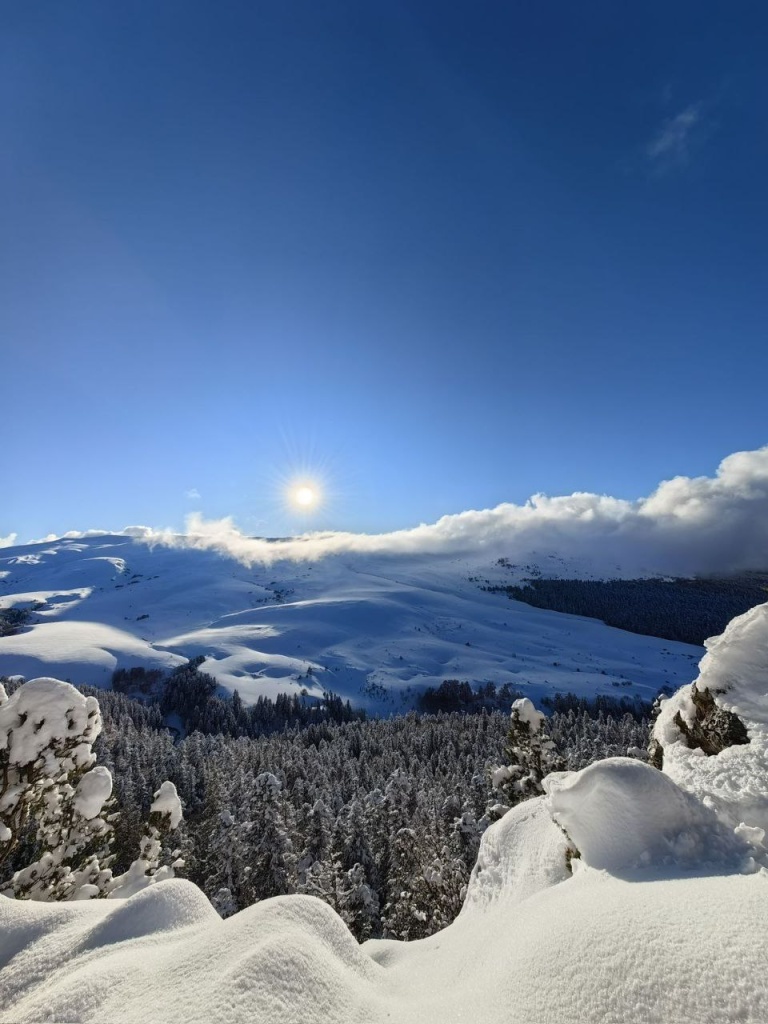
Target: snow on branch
{"type": "Point", "coordinates": [54, 800]}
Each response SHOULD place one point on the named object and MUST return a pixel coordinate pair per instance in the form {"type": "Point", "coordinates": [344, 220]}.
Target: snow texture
{"type": "Point", "coordinates": [592, 949]}
{"type": "Point", "coordinates": [520, 855]}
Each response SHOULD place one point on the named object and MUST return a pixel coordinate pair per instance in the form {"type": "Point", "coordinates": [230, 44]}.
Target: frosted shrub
{"type": "Point", "coordinates": [56, 802]}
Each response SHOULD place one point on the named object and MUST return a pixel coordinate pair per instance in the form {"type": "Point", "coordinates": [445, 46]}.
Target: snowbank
{"type": "Point", "coordinates": [519, 855]}
{"type": "Point", "coordinates": [592, 949]}
{"type": "Point", "coordinates": [165, 955]}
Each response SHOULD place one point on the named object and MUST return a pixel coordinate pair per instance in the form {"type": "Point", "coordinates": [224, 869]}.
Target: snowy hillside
{"type": "Point", "coordinates": [624, 894]}
{"type": "Point", "coordinates": [372, 628]}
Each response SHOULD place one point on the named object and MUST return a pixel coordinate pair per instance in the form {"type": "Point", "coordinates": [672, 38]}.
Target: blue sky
{"type": "Point", "coordinates": [435, 255]}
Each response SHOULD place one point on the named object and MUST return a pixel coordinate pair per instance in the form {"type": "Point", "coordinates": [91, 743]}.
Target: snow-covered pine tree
{"type": "Point", "coordinates": [273, 862]}
{"type": "Point", "coordinates": [358, 904]}
{"type": "Point", "coordinates": [531, 755]}
{"type": "Point", "coordinates": [155, 862]}
{"type": "Point", "coordinates": [51, 792]}
{"type": "Point", "coordinates": [316, 872]}
{"type": "Point", "coordinates": [53, 797]}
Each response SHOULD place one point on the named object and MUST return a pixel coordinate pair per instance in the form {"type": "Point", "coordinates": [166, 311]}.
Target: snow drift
{"type": "Point", "coordinates": [593, 948]}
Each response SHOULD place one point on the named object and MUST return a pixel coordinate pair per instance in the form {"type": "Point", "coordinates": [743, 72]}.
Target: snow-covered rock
{"type": "Point", "coordinates": [622, 815]}
{"type": "Point", "coordinates": [733, 677]}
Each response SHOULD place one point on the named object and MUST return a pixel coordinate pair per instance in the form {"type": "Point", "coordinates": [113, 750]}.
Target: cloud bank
{"type": "Point", "coordinates": [687, 525]}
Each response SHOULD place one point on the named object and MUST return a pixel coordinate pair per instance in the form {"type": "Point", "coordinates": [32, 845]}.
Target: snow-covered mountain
{"type": "Point", "coordinates": [373, 628]}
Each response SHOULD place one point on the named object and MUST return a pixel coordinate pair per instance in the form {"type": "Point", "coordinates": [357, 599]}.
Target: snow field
{"type": "Point", "coordinates": [372, 629]}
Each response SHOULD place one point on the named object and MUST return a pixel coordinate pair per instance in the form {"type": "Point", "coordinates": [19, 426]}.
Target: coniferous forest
{"type": "Point", "coordinates": [380, 818]}
{"type": "Point", "coordinates": [687, 610]}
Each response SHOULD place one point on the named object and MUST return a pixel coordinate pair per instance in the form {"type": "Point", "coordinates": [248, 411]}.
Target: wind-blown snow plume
{"type": "Point", "coordinates": [688, 524]}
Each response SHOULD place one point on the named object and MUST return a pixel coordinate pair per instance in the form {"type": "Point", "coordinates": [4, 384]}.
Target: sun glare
{"type": "Point", "coordinates": [303, 490]}
{"type": "Point", "coordinates": [304, 496]}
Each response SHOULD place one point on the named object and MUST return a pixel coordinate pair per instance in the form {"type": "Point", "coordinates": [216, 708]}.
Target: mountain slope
{"type": "Point", "coordinates": [375, 629]}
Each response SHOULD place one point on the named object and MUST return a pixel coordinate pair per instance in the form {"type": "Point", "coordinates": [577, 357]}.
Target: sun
{"type": "Point", "coordinates": [304, 495]}
{"type": "Point", "coordinates": [303, 490]}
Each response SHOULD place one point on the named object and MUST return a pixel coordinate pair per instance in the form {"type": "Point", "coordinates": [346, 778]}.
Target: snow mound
{"type": "Point", "coordinates": [160, 908]}
{"type": "Point", "coordinates": [622, 815]}
{"type": "Point", "coordinates": [165, 955]}
{"type": "Point", "coordinates": [734, 674]}
{"type": "Point", "coordinates": [592, 949]}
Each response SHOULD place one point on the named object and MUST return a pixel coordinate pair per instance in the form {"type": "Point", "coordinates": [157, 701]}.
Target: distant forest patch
{"type": "Point", "coordinates": [12, 620]}
{"type": "Point", "coordinates": [688, 610]}
{"type": "Point", "coordinates": [453, 695]}
{"type": "Point", "coordinates": [196, 698]}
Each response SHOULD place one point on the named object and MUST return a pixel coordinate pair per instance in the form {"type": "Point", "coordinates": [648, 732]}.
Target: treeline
{"type": "Point", "coordinates": [600, 704]}
{"type": "Point", "coordinates": [453, 695]}
{"type": "Point", "coordinates": [194, 696]}
{"type": "Point", "coordinates": [688, 610]}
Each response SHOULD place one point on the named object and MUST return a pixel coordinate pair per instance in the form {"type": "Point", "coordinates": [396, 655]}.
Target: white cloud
{"type": "Point", "coordinates": [9, 541]}
{"type": "Point", "coordinates": [688, 524]}
{"type": "Point", "coordinates": [672, 145]}
{"type": "Point", "coordinates": [192, 493]}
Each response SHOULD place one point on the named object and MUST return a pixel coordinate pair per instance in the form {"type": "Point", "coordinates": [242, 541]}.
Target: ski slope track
{"type": "Point", "coordinates": [374, 629]}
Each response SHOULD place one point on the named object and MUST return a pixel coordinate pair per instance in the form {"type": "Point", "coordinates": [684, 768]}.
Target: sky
{"type": "Point", "coordinates": [422, 257]}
